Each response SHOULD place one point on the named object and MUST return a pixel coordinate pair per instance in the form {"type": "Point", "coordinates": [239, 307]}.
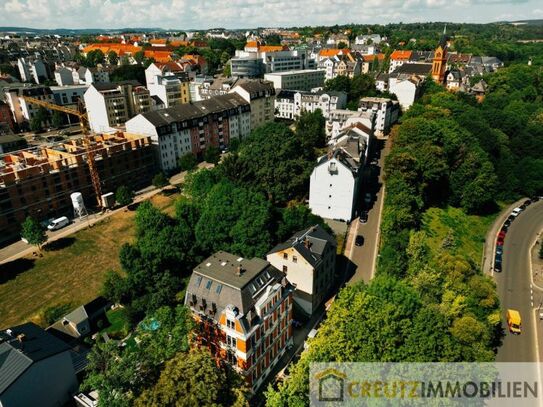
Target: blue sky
{"type": "Point", "coordinates": [201, 14]}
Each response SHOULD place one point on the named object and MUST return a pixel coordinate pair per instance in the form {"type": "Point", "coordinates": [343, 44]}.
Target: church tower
{"type": "Point", "coordinates": [439, 64]}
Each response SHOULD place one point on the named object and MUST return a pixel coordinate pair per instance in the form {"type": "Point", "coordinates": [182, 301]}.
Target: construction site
{"type": "Point", "coordinates": [38, 181]}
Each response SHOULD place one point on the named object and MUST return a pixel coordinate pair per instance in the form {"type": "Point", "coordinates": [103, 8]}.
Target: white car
{"type": "Point", "coordinates": [516, 212]}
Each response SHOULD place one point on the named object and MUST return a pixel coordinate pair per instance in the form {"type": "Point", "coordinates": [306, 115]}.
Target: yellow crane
{"type": "Point", "coordinates": [84, 123]}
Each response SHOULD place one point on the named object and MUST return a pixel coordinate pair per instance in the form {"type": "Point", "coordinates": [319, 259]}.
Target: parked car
{"type": "Point", "coordinates": [502, 234]}
{"type": "Point", "coordinates": [498, 266]}
{"type": "Point", "coordinates": [500, 241]}
{"type": "Point", "coordinates": [499, 250]}
{"type": "Point", "coordinates": [363, 217]}
{"type": "Point", "coordinates": [507, 223]}
{"type": "Point", "coordinates": [499, 257]}
{"type": "Point", "coordinates": [359, 241]}
{"type": "Point", "coordinates": [367, 198]}
{"type": "Point", "coordinates": [514, 321]}
{"type": "Point", "coordinates": [58, 223]}
{"type": "Point", "coordinates": [516, 211]}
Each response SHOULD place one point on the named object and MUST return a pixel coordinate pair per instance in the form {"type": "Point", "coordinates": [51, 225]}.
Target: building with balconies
{"type": "Point", "coordinates": [243, 311]}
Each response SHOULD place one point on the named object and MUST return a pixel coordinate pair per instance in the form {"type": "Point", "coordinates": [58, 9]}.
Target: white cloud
{"type": "Point", "coordinates": [185, 14]}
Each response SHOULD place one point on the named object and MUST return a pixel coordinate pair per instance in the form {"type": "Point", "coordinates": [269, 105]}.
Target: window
{"type": "Point", "coordinates": [231, 341]}
{"type": "Point", "coordinates": [198, 280]}
{"type": "Point", "coordinates": [294, 259]}
{"type": "Point", "coordinates": [219, 288]}
{"type": "Point", "coordinates": [208, 285]}
{"type": "Point", "coordinates": [285, 268]}
{"type": "Point", "coordinates": [285, 256]}
{"type": "Point", "coordinates": [230, 324]}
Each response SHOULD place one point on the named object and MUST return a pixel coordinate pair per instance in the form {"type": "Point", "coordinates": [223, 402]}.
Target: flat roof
{"type": "Point", "coordinates": [298, 71]}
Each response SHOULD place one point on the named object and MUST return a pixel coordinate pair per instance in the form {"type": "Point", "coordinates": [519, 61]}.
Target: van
{"type": "Point", "coordinates": [513, 321]}
{"type": "Point", "coordinates": [58, 223]}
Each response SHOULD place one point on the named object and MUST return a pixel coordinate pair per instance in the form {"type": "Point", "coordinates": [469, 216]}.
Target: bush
{"type": "Point", "coordinates": [124, 195]}
{"type": "Point", "coordinates": [54, 313]}
{"type": "Point", "coordinates": [212, 155]}
{"type": "Point", "coordinates": [187, 162]}
{"type": "Point", "coordinates": [160, 180]}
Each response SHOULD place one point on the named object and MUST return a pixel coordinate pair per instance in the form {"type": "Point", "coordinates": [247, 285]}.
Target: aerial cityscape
{"type": "Point", "coordinates": [270, 203]}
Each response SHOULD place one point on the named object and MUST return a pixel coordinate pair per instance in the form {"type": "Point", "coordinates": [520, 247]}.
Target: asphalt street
{"type": "Point", "coordinates": [515, 288]}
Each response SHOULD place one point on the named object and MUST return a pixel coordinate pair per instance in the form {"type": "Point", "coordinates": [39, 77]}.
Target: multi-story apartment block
{"type": "Point", "coordinates": [398, 58]}
{"type": "Point", "coordinates": [334, 185]}
{"type": "Point", "coordinates": [247, 67]}
{"type": "Point", "coordinates": [32, 70]}
{"type": "Point", "coordinates": [38, 181]}
{"type": "Point", "coordinates": [261, 95]}
{"type": "Point", "coordinates": [386, 112]}
{"type": "Point", "coordinates": [112, 104]}
{"type": "Point", "coordinates": [243, 309]}
{"type": "Point", "coordinates": [306, 79]}
{"type": "Point", "coordinates": [169, 82]}
{"type": "Point", "coordinates": [291, 104]}
{"type": "Point", "coordinates": [191, 128]}
{"type": "Point", "coordinates": [5, 115]}
{"type": "Point", "coordinates": [22, 110]}
{"type": "Point", "coordinates": [69, 95]}
{"type": "Point", "coordinates": [89, 76]}
{"type": "Point", "coordinates": [340, 119]}
{"type": "Point", "coordinates": [64, 76]}
{"type": "Point", "coordinates": [309, 261]}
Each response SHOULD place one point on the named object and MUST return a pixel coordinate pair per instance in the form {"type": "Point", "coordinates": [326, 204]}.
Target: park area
{"type": "Point", "coordinates": [70, 272]}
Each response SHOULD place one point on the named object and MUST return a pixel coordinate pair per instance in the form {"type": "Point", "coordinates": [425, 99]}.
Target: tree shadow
{"type": "Point", "coordinates": [60, 244]}
{"type": "Point", "coordinates": [12, 269]}
{"type": "Point", "coordinates": [133, 206]}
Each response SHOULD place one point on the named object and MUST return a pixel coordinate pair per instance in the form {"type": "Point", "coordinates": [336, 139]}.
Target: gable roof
{"type": "Point", "coordinates": [414, 69]}
{"type": "Point", "coordinates": [401, 55]}
{"type": "Point", "coordinates": [16, 356]}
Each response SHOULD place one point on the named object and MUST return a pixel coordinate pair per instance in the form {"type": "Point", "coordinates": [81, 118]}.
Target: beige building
{"type": "Point", "coordinates": [261, 95]}
{"type": "Point", "coordinates": [309, 261]}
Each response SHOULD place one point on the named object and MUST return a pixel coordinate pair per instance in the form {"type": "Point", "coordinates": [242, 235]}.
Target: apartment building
{"type": "Point", "coordinates": [306, 79]}
{"type": "Point", "coordinates": [261, 95]}
{"type": "Point", "coordinates": [334, 185]}
{"type": "Point", "coordinates": [38, 181]}
{"type": "Point", "coordinates": [386, 112]}
{"type": "Point", "coordinates": [110, 105]}
{"type": "Point", "coordinates": [191, 128]}
{"type": "Point", "coordinates": [291, 104]}
{"type": "Point", "coordinates": [308, 259]}
{"type": "Point", "coordinates": [247, 67]}
{"type": "Point", "coordinates": [340, 119]}
{"type": "Point", "coordinates": [5, 116]}
{"type": "Point", "coordinates": [22, 110]}
{"type": "Point", "coordinates": [64, 76]}
{"type": "Point", "coordinates": [32, 70]}
{"type": "Point", "coordinates": [169, 82]}
{"type": "Point", "coordinates": [88, 76]}
{"type": "Point", "coordinates": [243, 309]}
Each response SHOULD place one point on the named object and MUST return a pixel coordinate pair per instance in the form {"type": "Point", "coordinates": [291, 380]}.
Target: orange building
{"type": "Point", "coordinates": [439, 64]}
{"type": "Point", "coordinates": [243, 310]}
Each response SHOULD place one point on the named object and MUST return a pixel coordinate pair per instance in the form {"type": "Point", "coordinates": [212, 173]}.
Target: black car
{"type": "Point", "coordinates": [363, 217]}
{"type": "Point", "coordinates": [499, 251]}
{"type": "Point", "coordinates": [359, 241]}
{"type": "Point", "coordinates": [507, 223]}
{"type": "Point", "coordinates": [498, 266]}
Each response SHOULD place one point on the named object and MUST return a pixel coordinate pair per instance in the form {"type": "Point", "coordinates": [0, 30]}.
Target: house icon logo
{"type": "Point", "coordinates": [331, 384]}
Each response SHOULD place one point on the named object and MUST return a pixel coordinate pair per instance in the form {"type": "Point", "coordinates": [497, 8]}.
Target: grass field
{"type": "Point", "coordinates": [70, 272]}
{"type": "Point", "coordinates": [462, 234]}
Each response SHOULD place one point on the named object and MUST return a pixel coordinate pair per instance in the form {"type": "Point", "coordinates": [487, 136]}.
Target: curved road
{"type": "Point", "coordinates": [515, 286]}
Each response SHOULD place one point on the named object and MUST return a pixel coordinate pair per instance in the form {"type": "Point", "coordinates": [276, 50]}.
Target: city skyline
{"type": "Point", "coordinates": [115, 14]}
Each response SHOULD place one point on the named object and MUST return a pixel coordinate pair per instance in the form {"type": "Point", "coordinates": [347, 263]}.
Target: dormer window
{"type": "Point", "coordinates": [285, 256]}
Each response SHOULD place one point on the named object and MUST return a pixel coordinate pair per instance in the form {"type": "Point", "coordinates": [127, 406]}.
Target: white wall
{"type": "Point", "coordinates": [96, 110]}
{"type": "Point", "coordinates": [405, 90]}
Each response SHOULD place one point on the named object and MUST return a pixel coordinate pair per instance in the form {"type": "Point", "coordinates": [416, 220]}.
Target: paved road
{"type": "Point", "coordinates": [515, 286]}
{"type": "Point", "coordinates": [364, 257]}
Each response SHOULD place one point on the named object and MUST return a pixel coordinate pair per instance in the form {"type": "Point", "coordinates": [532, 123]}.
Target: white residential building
{"type": "Point", "coordinates": [22, 110]}
{"type": "Point", "coordinates": [255, 60]}
{"type": "Point", "coordinates": [407, 90]}
{"type": "Point", "coordinates": [261, 95]}
{"type": "Point", "coordinates": [88, 76]}
{"type": "Point", "coordinates": [340, 119]}
{"type": "Point", "coordinates": [110, 105]}
{"type": "Point", "coordinates": [191, 128]}
{"type": "Point", "coordinates": [386, 112]}
{"type": "Point", "coordinates": [308, 259]}
{"type": "Point", "coordinates": [305, 79]}
{"type": "Point", "coordinates": [291, 104]}
{"type": "Point", "coordinates": [368, 39]}
{"type": "Point", "coordinates": [32, 70]}
{"type": "Point", "coordinates": [64, 76]}
{"type": "Point", "coordinates": [169, 82]}
{"type": "Point", "coordinates": [335, 182]}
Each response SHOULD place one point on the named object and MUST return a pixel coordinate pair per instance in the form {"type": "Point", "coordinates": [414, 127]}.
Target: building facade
{"type": "Point", "coordinates": [38, 181]}
{"type": "Point", "coordinates": [305, 80]}
{"type": "Point", "coordinates": [386, 112]}
{"type": "Point", "coordinates": [169, 82]}
{"type": "Point", "coordinates": [261, 95]}
{"type": "Point", "coordinates": [308, 259]}
{"type": "Point", "coordinates": [32, 70]}
{"type": "Point", "coordinates": [243, 311]}
{"type": "Point", "coordinates": [110, 105]}
{"type": "Point", "coordinates": [291, 104]}
{"type": "Point", "coordinates": [22, 110]}
{"type": "Point", "coordinates": [191, 128]}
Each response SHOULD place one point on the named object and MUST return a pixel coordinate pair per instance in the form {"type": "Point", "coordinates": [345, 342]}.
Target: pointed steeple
{"type": "Point", "coordinates": [445, 30]}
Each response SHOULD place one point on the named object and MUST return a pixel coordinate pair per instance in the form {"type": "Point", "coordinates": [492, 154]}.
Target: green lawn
{"type": "Point", "coordinates": [461, 233]}
{"type": "Point", "coordinates": [118, 327]}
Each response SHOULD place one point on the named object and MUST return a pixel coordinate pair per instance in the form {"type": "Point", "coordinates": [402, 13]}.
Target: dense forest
{"type": "Point", "coordinates": [427, 303]}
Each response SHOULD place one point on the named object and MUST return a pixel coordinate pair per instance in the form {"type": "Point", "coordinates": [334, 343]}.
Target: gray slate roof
{"type": "Point", "coordinates": [317, 238]}
{"type": "Point", "coordinates": [17, 356]}
{"type": "Point", "coordinates": [414, 69]}
{"type": "Point", "coordinates": [194, 110]}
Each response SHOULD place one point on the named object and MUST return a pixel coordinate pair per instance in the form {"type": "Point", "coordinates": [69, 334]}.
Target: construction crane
{"type": "Point", "coordinates": [84, 123]}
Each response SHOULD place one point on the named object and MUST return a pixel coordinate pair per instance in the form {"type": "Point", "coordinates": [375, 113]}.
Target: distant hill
{"type": "Point", "coordinates": [526, 22]}
{"type": "Point", "coordinates": [68, 31]}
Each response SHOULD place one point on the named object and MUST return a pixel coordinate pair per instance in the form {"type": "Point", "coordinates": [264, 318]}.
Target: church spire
{"type": "Point", "coordinates": [445, 30]}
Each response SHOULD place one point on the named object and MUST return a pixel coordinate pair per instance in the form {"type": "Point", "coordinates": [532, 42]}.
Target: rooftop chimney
{"type": "Point", "coordinates": [21, 337]}
{"type": "Point", "coordinates": [239, 270]}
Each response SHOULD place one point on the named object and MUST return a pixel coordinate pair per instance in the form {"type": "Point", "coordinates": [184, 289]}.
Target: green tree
{"type": "Point", "coordinates": [310, 128]}
{"type": "Point", "coordinates": [112, 58]}
{"type": "Point", "coordinates": [128, 73]}
{"type": "Point", "coordinates": [57, 120]}
{"type": "Point", "coordinates": [139, 57]}
{"type": "Point", "coordinates": [295, 218]}
{"type": "Point", "coordinates": [94, 58]}
{"type": "Point", "coordinates": [124, 195]}
{"type": "Point", "coordinates": [212, 155]}
{"type": "Point", "coordinates": [36, 124]}
{"type": "Point", "coordinates": [187, 162]}
{"type": "Point", "coordinates": [160, 180]}
{"type": "Point", "coordinates": [193, 380]}
{"type": "Point", "coordinates": [32, 231]}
